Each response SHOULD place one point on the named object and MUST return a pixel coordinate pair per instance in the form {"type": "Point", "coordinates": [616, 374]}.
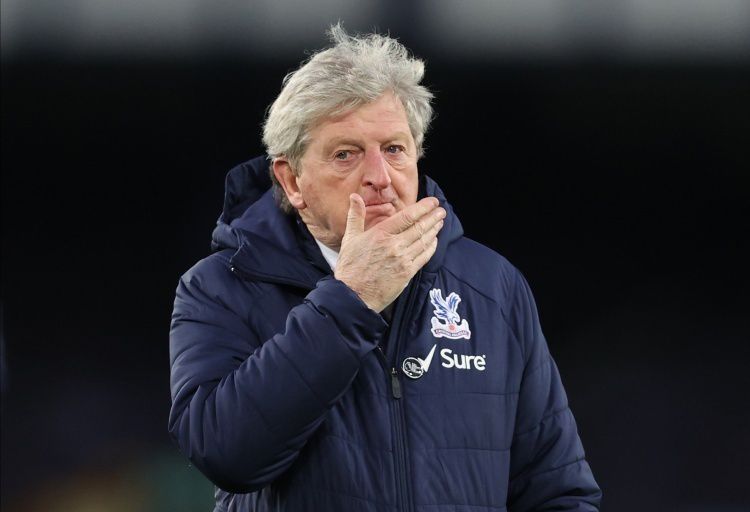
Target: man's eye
{"type": "Point", "coordinates": [394, 150]}
{"type": "Point", "coordinates": [342, 155]}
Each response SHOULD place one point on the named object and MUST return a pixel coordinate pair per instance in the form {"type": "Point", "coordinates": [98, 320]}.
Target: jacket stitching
{"type": "Point", "coordinates": [302, 378]}
{"type": "Point", "coordinates": [544, 418]}
{"type": "Point", "coordinates": [546, 362]}
{"type": "Point", "coordinates": [465, 393]}
{"type": "Point", "coordinates": [339, 493]}
{"type": "Point", "coordinates": [491, 299]}
{"type": "Point", "coordinates": [436, 448]}
{"type": "Point", "coordinates": [462, 505]}
{"type": "Point", "coordinates": [326, 314]}
{"type": "Point", "coordinates": [356, 444]}
{"type": "Point", "coordinates": [495, 302]}
{"type": "Point", "coordinates": [272, 431]}
{"type": "Point", "coordinates": [534, 475]}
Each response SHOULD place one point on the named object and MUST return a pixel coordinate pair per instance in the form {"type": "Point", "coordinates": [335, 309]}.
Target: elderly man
{"type": "Point", "coordinates": [345, 347]}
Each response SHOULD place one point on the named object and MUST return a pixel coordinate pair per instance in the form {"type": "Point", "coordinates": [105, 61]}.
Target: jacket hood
{"type": "Point", "coordinates": [244, 185]}
{"type": "Point", "coordinates": [272, 244]}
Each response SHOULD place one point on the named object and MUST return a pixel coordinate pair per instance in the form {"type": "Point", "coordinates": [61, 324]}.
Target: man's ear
{"type": "Point", "coordinates": [282, 169]}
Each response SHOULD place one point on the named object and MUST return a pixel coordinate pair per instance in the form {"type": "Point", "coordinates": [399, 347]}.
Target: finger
{"type": "Point", "coordinates": [404, 219]}
{"type": "Point", "coordinates": [355, 219]}
{"type": "Point", "coordinates": [423, 257]}
{"type": "Point", "coordinates": [423, 243]}
{"type": "Point", "coordinates": [423, 226]}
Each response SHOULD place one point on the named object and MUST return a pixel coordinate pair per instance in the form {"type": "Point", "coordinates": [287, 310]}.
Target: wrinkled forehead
{"type": "Point", "coordinates": [383, 118]}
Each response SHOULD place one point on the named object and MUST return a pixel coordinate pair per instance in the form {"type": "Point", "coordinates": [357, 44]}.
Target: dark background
{"type": "Point", "coordinates": [619, 187]}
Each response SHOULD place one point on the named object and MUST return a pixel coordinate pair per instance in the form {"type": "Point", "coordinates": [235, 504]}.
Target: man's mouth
{"type": "Point", "coordinates": [377, 203]}
{"type": "Point", "coordinates": [379, 208]}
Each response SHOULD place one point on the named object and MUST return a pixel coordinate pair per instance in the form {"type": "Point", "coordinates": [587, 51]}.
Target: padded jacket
{"type": "Point", "coordinates": [290, 394]}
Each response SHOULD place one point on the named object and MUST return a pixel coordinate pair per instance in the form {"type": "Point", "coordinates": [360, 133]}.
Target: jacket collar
{"type": "Point", "coordinates": [277, 247]}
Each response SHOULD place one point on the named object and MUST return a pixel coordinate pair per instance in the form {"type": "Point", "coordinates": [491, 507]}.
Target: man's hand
{"type": "Point", "coordinates": [378, 263]}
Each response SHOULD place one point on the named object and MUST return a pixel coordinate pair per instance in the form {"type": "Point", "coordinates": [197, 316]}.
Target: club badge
{"type": "Point", "coordinates": [447, 323]}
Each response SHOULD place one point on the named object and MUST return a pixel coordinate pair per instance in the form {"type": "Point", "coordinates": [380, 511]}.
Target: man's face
{"type": "Point", "coordinates": [369, 151]}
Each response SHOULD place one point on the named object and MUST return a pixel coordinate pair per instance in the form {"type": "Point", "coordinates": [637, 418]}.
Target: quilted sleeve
{"type": "Point", "coordinates": [549, 471]}
{"type": "Point", "coordinates": [243, 408]}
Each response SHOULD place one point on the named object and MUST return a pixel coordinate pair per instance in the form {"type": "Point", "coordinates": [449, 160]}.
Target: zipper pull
{"type": "Point", "coordinates": [395, 384]}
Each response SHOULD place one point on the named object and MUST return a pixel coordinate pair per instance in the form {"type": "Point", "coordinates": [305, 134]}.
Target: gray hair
{"type": "Point", "coordinates": [354, 71]}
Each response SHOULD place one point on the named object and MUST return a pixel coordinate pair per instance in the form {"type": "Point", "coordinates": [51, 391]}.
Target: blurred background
{"type": "Point", "coordinates": [603, 147]}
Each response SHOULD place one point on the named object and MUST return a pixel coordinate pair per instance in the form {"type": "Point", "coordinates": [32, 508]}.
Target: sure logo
{"type": "Point", "coordinates": [462, 361]}
{"type": "Point", "coordinates": [416, 367]}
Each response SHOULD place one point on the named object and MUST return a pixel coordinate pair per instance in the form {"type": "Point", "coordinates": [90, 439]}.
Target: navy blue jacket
{"type": "Point", "coordinates": [290, 394]}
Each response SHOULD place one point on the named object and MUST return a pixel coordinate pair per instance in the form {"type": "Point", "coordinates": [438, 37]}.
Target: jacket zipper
{"type": "Point", "coordinates": [398, 419]}
{"type": "Point", "coordinates": [397, 405]}
{"type": "Point", "coordinates": [399, 452]}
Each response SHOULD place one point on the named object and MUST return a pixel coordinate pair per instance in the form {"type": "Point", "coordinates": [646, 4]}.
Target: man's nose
{"type": "Point", "coordinates": [376, 173]}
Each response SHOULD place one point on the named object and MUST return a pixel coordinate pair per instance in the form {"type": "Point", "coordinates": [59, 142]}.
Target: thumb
{"type": "Point", "coordinates": [355, 219]}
